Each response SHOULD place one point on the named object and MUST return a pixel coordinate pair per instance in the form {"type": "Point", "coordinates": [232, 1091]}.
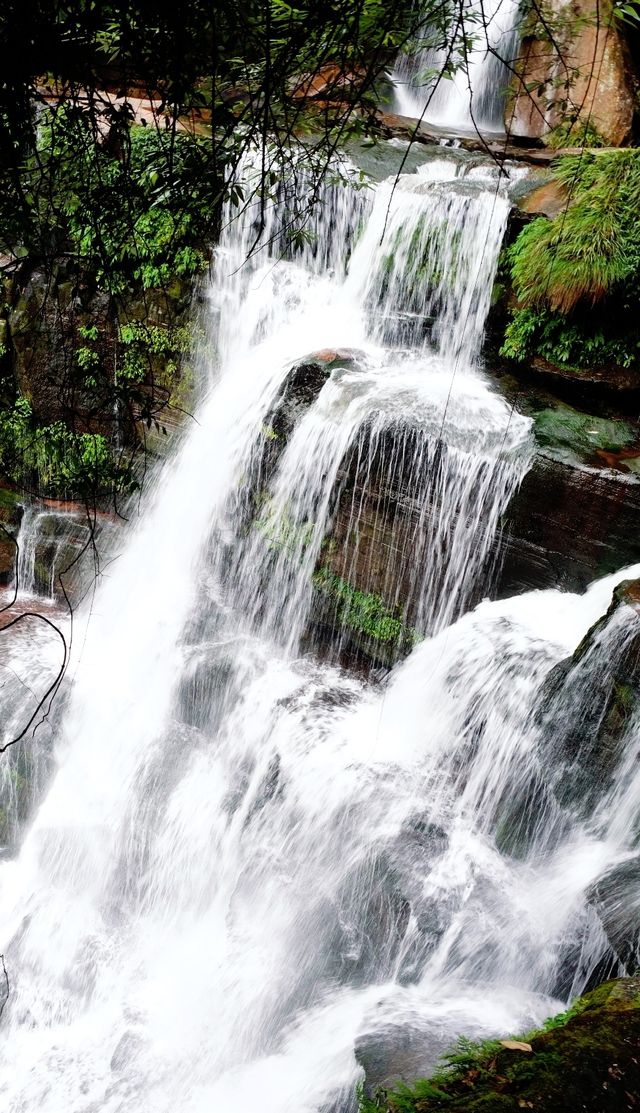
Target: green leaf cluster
{"type": "Point", "coordinates": [55, 461]}
{"type": "Point", "coordinates": [592, 247]}
{"type": "Point", "coordinates": [576, 278]}
{"type": "Point", "coordinates": [364, 612]}
{"type": "Point", "coordinates": [131, 224]}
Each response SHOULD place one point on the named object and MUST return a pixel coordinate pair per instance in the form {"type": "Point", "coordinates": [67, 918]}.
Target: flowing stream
{"type": "Point", "coordinates": [254, 870]}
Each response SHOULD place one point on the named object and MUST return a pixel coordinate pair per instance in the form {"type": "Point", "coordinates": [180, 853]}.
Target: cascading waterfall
{"type": "Point", "coordinates": [55, 550]}
{"type": "Point", "coordinates": [249, 864]}
{"type": "Point", "coordinates": [474, 95]}
{"type": "Point", "coordinates": [455, 449]}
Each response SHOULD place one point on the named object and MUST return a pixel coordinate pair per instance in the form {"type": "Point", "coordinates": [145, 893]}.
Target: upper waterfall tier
{"type": "Point", "coordinates": [485, 37]}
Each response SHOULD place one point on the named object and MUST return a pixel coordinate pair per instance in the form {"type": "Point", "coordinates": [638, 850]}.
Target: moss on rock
{"type": "Point", "coordinates": [587, 1060]}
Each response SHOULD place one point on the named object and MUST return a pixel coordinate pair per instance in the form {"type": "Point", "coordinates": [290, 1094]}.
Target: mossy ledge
{"type": "Point", "coordinates": [586, 1060]}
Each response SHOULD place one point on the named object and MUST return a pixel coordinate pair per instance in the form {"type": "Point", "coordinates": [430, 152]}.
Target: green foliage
{"type": "Point", "coordinates": [590, 249]}
{"type": "Point", "coordinates": [573, 341]}
{"type": "Point", "coordinates": [574, 133]}
{"type": "Point", "coordinates": [577, 277]}
{"type": "Point", "coordinates": [64, 463]}
{"type": "Point", "coordinates": [146, 347]}
{"type": "Point", "coordinates": [628, 13]}
{"type": "Point", "coordinates": [364, 612]}
{"type": "Point", "coordinates": [134, 223]}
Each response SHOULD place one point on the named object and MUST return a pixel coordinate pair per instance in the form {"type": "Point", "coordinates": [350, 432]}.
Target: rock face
{"type": "Point", "coordinates": [589, 704]}
{"type": "Point", "coordinates": [11, 512]}
{"type": "Point", "coordinates": [566, 526]}
{"type": "Point", "coordinates": [45, 330]}
{"type": "Point", "coordinates": [586, 51]}
{"type": "Point", "coordinates": [570, 522]}
{"type": "Point", "coordinates": [588, 713]}
{"type": "Point", "coordinates": [588, 1060]}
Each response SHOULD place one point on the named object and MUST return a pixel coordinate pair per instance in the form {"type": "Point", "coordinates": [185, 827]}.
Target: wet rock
{"type": "Point", "coordinates": [127, 1048]}
{"type": "Point", "coordinates": [567, 526]}
{"type": "Point", "coordinates": [589, 701]}
{"type": "Point", "coordinates": [299, 390]}
{"type": "Point", "coordinates": [11, 513]}
{"type": "Point", "coordinates": [393, 126]}
{"type": "Point", "coordinates": [7, 558]}
{"type": "Point", "coordinates": [517, 816]}
{"type": "Point", "coordinates": [396, 1053]}
{"type": "Point", "coordinates": [616, 899]}
{"type": "Point", "coordinates": [546, 199]}
{"type": "Point", "coordinates": [305, 381]}
{"type": "Point", "coordinates": [207, 688]}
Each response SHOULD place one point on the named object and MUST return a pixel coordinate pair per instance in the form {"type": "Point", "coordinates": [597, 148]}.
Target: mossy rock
{"type": "Point", "coordinates": [583, 438]}
{"type": "Point", "coordinates": [11, 508]}
{"type": "Point", "coordinates": [584, 1061]}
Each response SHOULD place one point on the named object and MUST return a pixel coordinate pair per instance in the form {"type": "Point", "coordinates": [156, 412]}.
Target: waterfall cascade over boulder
{"type": "Point", "coordinates": [253, 867]}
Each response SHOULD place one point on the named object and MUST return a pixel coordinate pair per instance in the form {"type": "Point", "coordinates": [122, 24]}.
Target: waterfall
{"type": "Point", "coordinates": [420, 417]}
{"type": "Point", "coordinates": [252, 865]}
{"type": "Point", "coordinates": [55, 551]}
{"type": "Point", "coordinates": [485, 37]}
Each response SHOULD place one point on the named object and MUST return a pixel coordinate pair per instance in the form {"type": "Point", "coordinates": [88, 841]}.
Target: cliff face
{"type": "Point", "coordinates": [574, 66]}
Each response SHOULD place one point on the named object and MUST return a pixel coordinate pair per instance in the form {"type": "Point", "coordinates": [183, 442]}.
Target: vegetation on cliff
{"type": "Point", "coordinates": [576, 277]}
{"type": "Point", "coordinates": [107, 211]}
{"type": "Point", "coordinates": [585, 1059]}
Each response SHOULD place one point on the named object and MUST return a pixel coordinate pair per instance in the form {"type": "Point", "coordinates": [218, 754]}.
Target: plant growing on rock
{"type": "Point", "coordinates": [576, 278]}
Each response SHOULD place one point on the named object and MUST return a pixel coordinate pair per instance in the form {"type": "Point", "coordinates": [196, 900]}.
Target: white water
{"type": "Point", "coordinates": [249, 863]}
{"type": "Point", "coordinates": [474, 96]}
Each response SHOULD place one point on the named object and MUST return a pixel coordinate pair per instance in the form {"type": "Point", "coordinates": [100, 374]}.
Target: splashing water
{"type": "Point", "coordinates": [249, 864]}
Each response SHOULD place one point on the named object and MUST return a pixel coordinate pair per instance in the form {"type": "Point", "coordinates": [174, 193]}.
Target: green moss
{"type": "Point", "coordinates": [279, 530]}
{"type": "Point", "coordinates": [581, 434]}
{"type": "Point", "coordinates": [364, 612]}
{"type": "Point", "coordinates": [583, 1059]}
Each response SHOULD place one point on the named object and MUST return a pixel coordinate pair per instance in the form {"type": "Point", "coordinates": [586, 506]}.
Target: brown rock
{"type": "Point", "coordinates": [7, 557]}
{"type": "Point", "coordinates": [327, 82]}
{"type": "Point", "coordinates": [548, 199]}
{"type": "Point", "coordinates": [589, 54]}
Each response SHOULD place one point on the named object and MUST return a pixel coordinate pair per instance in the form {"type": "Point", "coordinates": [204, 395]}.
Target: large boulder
{"type": "Point", "coordinates": [616, 899]}
{"type": "Point", "coordinates": [589, 702]}
{"type": "Point", "coordinates": [581, 46]}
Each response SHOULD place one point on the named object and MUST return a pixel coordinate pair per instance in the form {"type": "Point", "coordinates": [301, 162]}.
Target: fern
{"type": "Point", "coordinates": [591, 248]}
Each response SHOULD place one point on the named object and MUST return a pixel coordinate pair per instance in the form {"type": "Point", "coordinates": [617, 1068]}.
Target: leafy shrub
{"type": "Point", "coordinates": [65, 463]}
{"type": "Point", "coordinates": [569, 341]}
{"type": "Point", "coordinates": [133, 222]}
{"type": "Point", "coordinates": [593, 246]}
{"type": "Point", "coordinates": [577, 277]}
